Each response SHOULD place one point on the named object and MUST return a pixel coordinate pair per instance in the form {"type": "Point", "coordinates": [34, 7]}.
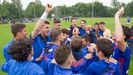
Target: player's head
{"type": "Point", "coordinates": [88, 28]}
{"type": "Point", "coordinates": [46, 28]}
{"type": "Point", "coordinates": [127, 32]}
{"type": "Point", "coordinates": [21, 50]}
{"type": "Point", "coordinates": [74, 22]}
{"type": "Point", "coordinates": [96, 26]}
{"type": "Point", "coordinates": [56, 35]}
{"type": "Point", "coordinates": [19, 31]}
{"type": "Point", "coordinates": [83, 23]}
{"type": "Point", "coordinates": [65, 34]}
{"type": "Point", "coordinates": [76, 44]}
{"type": "Point", "coordinates": [13, 22]}
{"type": "Point", "coordinates": [104, 48]}
{"type": "Point", "coordinates": [86, 40]}
{"type": "Point", "coordinates": [76, 31]}
{"type": "Point", "coordinates": [63, 55]}
{"type": "Point", "coordinates": [102, 25]}
{"type": "Point", "coordinates": [57, 24]}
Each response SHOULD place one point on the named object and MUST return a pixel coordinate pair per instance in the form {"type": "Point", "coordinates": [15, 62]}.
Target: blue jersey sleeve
{"type": "Point", "coordinates": [45, 63]}
{"type": "Point", "coordinates": [5, 67]}
{"type": "Point", "coordinates": [89, 70]}
{"type": "Point", "coordinates": [127, 52]}
{"type": "Point", "coordinates": [84, 51]}
{"type": "Point", "coordinates": [126, 57]}
{"type": "Point", "coordinates": [34, 60]}
{"type": "Point", "coordinates": [79, 66]}
{"type": "Point", "coordinates": [123, 58]}
{"type": "Point", "coordinates": [6, 53]}
{"type": "Point", "coordinates": [117, 54]}
{"type": "Point", "coordinates": [37, 70]}
{"type": "Point", "coordinates": [117, 69]}
{"type": "Point", "coordinates": [51, 69]}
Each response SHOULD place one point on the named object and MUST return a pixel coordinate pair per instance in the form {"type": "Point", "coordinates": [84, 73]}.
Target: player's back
{"type": "Point", "coordinates": [14, 67]}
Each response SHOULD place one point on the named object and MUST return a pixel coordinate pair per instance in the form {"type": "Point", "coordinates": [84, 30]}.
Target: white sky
{"type": "Point", "coordinates": [67, 2]}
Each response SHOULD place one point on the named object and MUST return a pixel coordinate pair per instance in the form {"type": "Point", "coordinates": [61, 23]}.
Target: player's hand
{"type": "Point", "coordinates": [53, 61]}
{"type": "Point", "coordinates": [75, 31]}
{"type": "Point", "coordinates": [89, 56]}
{"type": "Point", "coordinates": [40, 57]}
{"type": "Point", "coordinates": [88, 32]}
{"type": "Point", "coordinates": [50, 43]}
{"type": "Point", "coordinates": [92, 47]}
{"type": "Point", "coordinates": [88, 28]}
{"type": "Point", "coordinates": [48, 8]}
{"type": "Point", "coordinates": [120, 12]}
{"type": "Point", "coordinates": [113, 60]}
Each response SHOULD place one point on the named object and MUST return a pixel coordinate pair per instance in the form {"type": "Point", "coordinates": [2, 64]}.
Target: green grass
{"type": "Point", "coordinates": [6, 36]}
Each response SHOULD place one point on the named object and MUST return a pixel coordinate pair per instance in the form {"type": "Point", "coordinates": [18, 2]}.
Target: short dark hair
{"type": "Point", "coordinates": [127, 32]}
{"type": "Point", "coordinates": [76, 44]}
{"type": "Point", "coordinates": [17, 28]}
{"type": "Point", "coordinates": [73, 18]}
{"type": "Point", "coordinates": [46, 22]}
{"type": "Point", "coordinates": [65, 31]}
{"type": "Point", "coordinates": [105, 46]}
{"type": "Point", "coordinates": [54, 34]}
{"type": "Point", "coordinates": [96, 23]}
{"type": "Point", "coordinates": [83, 21]}
{"type": "Point", "coordinates": [21, 49]}
{"type": "Point", "coordinates": [102, 23]}
{"type": "Point", "coordinates": [61, 54]}
{"type": "Point", "coordinates": [57, 21]}
{"type": "Point", "coordinates": [87, 37]}
{"type": "Point", "coordinates": [13, 21]}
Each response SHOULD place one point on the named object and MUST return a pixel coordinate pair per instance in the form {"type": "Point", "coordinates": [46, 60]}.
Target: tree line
{"type": "Point", "coordinates": [35, 9]}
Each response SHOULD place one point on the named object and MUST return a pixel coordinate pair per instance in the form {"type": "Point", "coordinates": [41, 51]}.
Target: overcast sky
{"type": "Point", "coordinates": [67, 2]}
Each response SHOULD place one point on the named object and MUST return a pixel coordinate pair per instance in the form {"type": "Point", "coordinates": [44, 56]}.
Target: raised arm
{"type": "Point", "coordinates": [40, 22]}
{"type": "Point", "coordinates": [119, 30]}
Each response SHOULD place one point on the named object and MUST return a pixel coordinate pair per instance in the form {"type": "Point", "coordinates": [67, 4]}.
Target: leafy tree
{"type": "Point", "coordinates": [129, 9]}
{"type": "Point", "coordinates": [34, 10]}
